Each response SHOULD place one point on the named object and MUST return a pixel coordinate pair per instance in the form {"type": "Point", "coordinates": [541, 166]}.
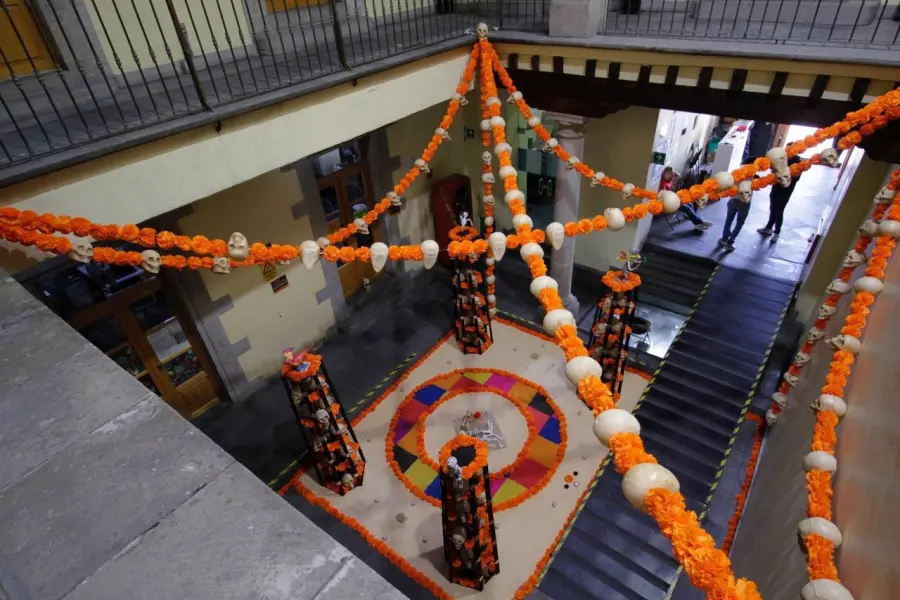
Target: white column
{"type": "Point", "coordinates": [570, 133]}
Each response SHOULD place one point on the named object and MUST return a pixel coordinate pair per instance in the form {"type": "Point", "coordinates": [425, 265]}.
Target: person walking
{"type": "Point", "coordinates": [668, 181]}
{"type": "Point", "coordinates": [778, 199]}
{"type": "Point", "coordinates": [738, 209]}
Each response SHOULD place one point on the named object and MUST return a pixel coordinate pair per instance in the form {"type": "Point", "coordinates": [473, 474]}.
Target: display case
{"type": "Point", "coordinates": [337, 456]}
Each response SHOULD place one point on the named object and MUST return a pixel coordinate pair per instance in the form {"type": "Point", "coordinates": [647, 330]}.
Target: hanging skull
{"type": "Point", "coordinates": [838, 286]}
{"type": "Point", "coordinates": [322, 417]}
{"type": "Point", "coordinates": [800, 359]}
{"type": "Point", "coordinates": [361, 226]}
{"type": "Point", "coordinates": [869, 228]}
{"type": "Point", "coordinates": [309, 254]}
{"type": "Point", "coordinates": [702, 201]}
{"type": "Point", "coordinates": [394, 197]}
{"type": "Point", "coordinates": [550, 145]}
{"type": "Point", "coordinates": [745, 191]}
{"type": "Point", "coordinates": [627, 190]}
{"type": "Point", "coordinates": [442, 133]}
{"type": "Point", "coordinates": [430, 251]}
{"type": "Point", "coordinates": [422, 166]}
{"type": "Point", "coordinates": [852, 259]}
{"type": "Point", "coordinates": [482, 31]}
{"type": "Point", "coordinates": [489, 199]}
{"type": "Point", "coordinates": [151, 261]}
{"type": "Point", "coordinates": [885, 195]}
{"type": "Point", "coordinates": [221, 265]}
{"type": "Point", "coordinates": [784, 179]}
{"type": "Point", "coordinates": [572, 162]}
{"type": "Point", "coordinates": [238, 248]}
{"type": "Point", "coordinates": [597, 178]}
{"type": "Point", "coordinates": [847, 343]}
{"type": "Point", "coordinates": [461, 98]}
{"type": "Point", "coordinates": [347, 481]}
{"type": "Point", "coordinates": [514, 97]}
{"type": "Point", "coordinates": [771, 417]}
{"type": "Point", "coordinates": [487, 158]}
{"type": "Point", "coordinates": [487, 178]}
{"type": "Point", "coordinates": [829, 402]}
{"type": "Point", "coordinates": [791, 379]}
{"type": "Point", "coordinates": [829, 156]}
{"type": "Point", "coordinates": [825, 312]}
{"type": "Point", "coordinates": [779, 399]}
{"type": "Point", "coordinates": [778, 158]}
{"type": "Point", "coordinates": [458, 538]}
{"type": "Point", "coordinates": [323, 241]}
{"type": "Point", "coordinates": [82, 252]}
{"type": "Point", "coordinates": [814, 335]}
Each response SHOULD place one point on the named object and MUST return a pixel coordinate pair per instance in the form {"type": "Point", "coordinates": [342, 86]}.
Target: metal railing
{"type": "Point", "coordinates": [73, 72]}
{"type": "Point", "coordinates": [839, 23]}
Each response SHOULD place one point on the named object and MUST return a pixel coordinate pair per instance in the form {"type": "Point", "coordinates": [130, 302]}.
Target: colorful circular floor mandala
{"type": "Point", "coordinates": [527, 475]}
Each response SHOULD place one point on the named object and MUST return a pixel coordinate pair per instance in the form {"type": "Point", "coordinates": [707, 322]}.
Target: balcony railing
{"type": "Point", "coordinates": [75, 72]}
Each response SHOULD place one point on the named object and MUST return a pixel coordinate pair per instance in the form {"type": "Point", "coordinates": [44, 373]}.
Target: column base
{"type": "Point", "coordinates": [572, 305]}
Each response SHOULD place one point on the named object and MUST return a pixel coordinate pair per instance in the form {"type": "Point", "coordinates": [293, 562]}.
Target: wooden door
{"type": "Point", "coordinates": [22, 45]}
{"type": "Point", "coordinates": [143, 334]}
{"type": "Point", "coordinates": [449, 198]}
{"type": "Point", "coordinates": [346, 194]}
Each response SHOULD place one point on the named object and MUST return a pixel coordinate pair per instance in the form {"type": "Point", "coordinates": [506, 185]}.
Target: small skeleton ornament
{"type": "Point", "coordinates": [814, 335]}
{"type": "Point", "coordinates": [847, 343]}
{"type": "Point", "coordinates": [487, 158]}
{"type": "Point", "coordinates": [442, 133]}
{"type": "Point", "coordinates": [825, 312]}
{"type": "Point", "coordinates": [221, 265]}
{"type": "Point", "coordinates": [464, 219]}
{"type": "Point", "coordinates": [838, 286]}
{"type": "Point", "coordinates": [852, 259]}
{"type": "Point", "coordinates": [800, 359]}
{"type": "Point", "coordinates": [238, 247]}
{"type": "Point", "coordinates": [829, 156]}
{"type": "Point", "coordinates": [151, 261]}
{"type": "Point", "coordinates": [81, 252]}
{"type": "Point", "coordinates": [422, 166]}
{"type": "Point", "coordinates": [482, 31]}
{"type": "Point", "coordinates": [597, 178]}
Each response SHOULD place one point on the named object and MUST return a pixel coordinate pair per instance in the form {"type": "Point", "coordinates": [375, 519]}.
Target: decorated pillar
{"type": "Point", "coordinates": [467, 512]}
{"type": "Point", "coordinates": [612, 322]}
{"type": "Point", "coordinates": [570, 134]}
{"type": "Point", "coordinates": [470, 290]}
{"type": "Point", "coordinates": [337, 457]}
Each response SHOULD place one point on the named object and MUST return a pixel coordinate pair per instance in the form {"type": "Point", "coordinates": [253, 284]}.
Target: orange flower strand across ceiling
{"type": "Point", "coordinates": [708, 568]}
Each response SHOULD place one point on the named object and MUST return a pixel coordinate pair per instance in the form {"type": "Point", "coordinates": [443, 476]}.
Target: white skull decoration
{"type": "Point", "coordinates": [323, 241]}
{"type": "Point", "coordinates": [869, 228]}
{"type": "Point", "coordinates": [827, 402]}
{"type": "Point", "coordinates": [550, 145]}
{"type": "Point", "coordinates": [779, 399]}
{"type": "Point", "coordinates": [322, 417]}
{"type": "Point", "coordinates": [852, 259]}
{"type": "Point", "coordinates": [482, 31]}
{"type": "Point", "coordinates": [778, 158]}
{"type": "Point", "coordinates": [791, 379]}
{"type": "Point", "coordinates": [151, 261]}
{"type": "Point", "coordinates": [771, 417]}
{"type": "Point", "coordinates": [238, 248]}
{"type": "Point", "coordinates": [570, 164]}
{"type": "Point", "coordinates": [361, 226]}
{"type": "Point", "coordinates": [745, 191]}
{"type": "Point", "coordinates": [458, 539]}
{"type": "Point", "coordinates": [596, 178]}
{"type": "Point", "coordinates": [488, 178]}
{"type": "Point", "coordinates": [829, 156]}
{"type": "Point", "coordinates": [487, 158]}
{"type": "Point", "coordinates": [489, 199]}
{"type": "Point", "coordinates": [885, 196]}
{"type": "Point", "coordinates": [430, 251]}
{"type": "Point", "coordinates": [838, 286]}
{"type": "Point", "coordinates": [514, 97]}
{"type": "Point", "coordinates": [702, 201]}
{"type": "Point", "coordinates": [347, 481]}
{"type": "Point", "coordinates": [444, 135]}
{"type": "Point", "coordinates": [379, 255]}
{"type": "Point", "coordinates": [309, 254]}
{"type": "Point", "coordinates": [800, 359]}
{"type": "Point", "coordinates": [627, 189]}
{"type": "Point", "coordinates": [422, 166]}
{"type": "Point", "coordinates": [814, 335]}
{"type": "Point", "coordinates": [394, 197]}
{"type": "Point", "coordinates": [847, 343]}
{"type": "Point", "coordinates": [221, 265]}
{"type": "Point", "coordinates": [81, 252]}
{"type": "Point", "coordinates": [784, 179]}
{"type": "Point", "coordinates": [825, 312]}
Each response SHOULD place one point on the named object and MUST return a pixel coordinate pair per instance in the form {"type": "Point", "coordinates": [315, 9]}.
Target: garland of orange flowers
{"type": "Point", "coordinates": [741, 498]}
{"type": "Point", "coordinates": [477, 465]}
{"type": "Point", "coordinates": [314, 360]}
{"type": "Point", "coordinates": [862, 244]}
{"type": "Point", "coordinates": [488, 206]}
{"type": "Point", "coordinates": [463, 233]}
{"type": "Point", "coordinates": [707, 567]}
{"type": "Point", "coordinates": [497, 474]}
{"type": "Point", "coordinates": [619, 281]}
{"type": "Point", "coordinates": [819, 484]}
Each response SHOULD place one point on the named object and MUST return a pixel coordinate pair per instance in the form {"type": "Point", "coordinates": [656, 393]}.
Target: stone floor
{"type": "Point", "coordinates": [783, 259]}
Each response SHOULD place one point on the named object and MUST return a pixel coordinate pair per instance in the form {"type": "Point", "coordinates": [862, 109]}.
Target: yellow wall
{"type": "Point", "coordinates": [222, 24]}
{"type": "Point", "coordinates": [620, 146]}
{"type": "Point", "coordinates": [270, 321]}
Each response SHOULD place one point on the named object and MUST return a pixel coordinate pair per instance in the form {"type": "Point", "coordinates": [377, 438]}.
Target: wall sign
{"type": "Point", "coordinates": [269, 272]}
{"type": "Point", "coordinates": [658, 158]}
{"type": "Point", "coordinates": [279, 283]}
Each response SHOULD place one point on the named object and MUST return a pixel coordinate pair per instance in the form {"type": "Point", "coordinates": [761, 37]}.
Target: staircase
{"type": "Point", "coordinates": [672, 281]}
{"type": "Point", "coordinates": [689, 416]}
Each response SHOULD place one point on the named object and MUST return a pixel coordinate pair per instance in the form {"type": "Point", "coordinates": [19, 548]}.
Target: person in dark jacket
{"type": "Point", "coordinates": [778, 200]}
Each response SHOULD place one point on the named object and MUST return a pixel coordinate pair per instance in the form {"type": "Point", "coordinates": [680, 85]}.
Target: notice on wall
{"type": "Point", "coordinates": [269, 272]}
{"type": "Point", "coordinates": [279, 283]}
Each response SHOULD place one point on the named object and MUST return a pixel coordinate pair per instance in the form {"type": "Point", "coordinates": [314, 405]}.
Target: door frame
{"type": "Point", "coordinates": [118, 308]}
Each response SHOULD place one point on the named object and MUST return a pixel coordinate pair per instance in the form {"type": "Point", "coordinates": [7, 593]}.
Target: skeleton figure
{"type": "Point", "coordinates": [829, 156]}
{"type": "Point", "coordinates": [825, 312]}
{"type": "Point", "coordinates": [221, 264]}
{"type": "Point", "coordinates": [442, 133]}
{"type": "Point", "coordinates": [482, 31]}
{"type": "Point", "coordinates": [238, 247]}
{"type": "Point", "coordinates": [596, 178]}
{"type": "Point", "coordinates": [82, 252]}
{"type": "Point", "coordinates": [852, 259]}
{"type": "Point", "coordinates": [814, 335]}
{"type": "Point", "coordinates": [464, 219]}
{"type": "Point", "coordinates": [347, 481]}
{"type": "Point", "coordinates": [151, 261]}
{"type": "Point", "coordinates": [800, 359]}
